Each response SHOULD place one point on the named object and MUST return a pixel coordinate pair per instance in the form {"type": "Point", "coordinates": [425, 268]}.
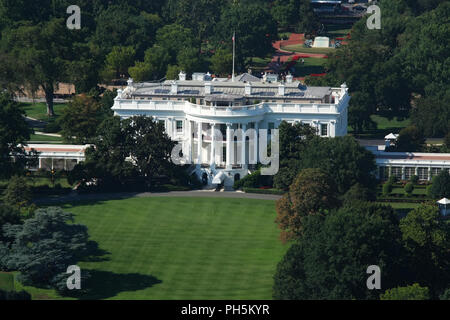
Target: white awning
{"type": "Point", "coordinates": [444, 201]}
{"type": "Point", "coordinates": [219, 178]}
{"type": "Point", "coordinates": [391, 136]}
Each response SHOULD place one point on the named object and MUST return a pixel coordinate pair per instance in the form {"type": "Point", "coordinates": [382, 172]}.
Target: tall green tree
{"type": "Point", "coordinates": [330, 260]}
{"type": "Point", "coordinates": [79, 121]}
{"type": "Point", "coordinates": [14, 132]}
{"type": "Point", "coordinates": [254, 27]}
{"type": "Point", "coordinates": [41, 53]}
{"type": "Point", "coordinates": [425, 236]}
{"type": "Point", "coordinates": [311, 193]}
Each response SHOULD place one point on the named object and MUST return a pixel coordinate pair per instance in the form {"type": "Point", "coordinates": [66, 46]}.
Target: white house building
{"type": "Point", "coordinates": [192, 109]}
{"type": "Point", "coordinates": [57, 156]}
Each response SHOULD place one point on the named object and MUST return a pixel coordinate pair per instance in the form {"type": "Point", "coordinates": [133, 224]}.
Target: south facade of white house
{"type": "Point", "coordinates": [192, 110]}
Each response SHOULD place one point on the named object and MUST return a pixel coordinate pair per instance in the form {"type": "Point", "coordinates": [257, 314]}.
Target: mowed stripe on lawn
{"type": "Point", "coordinates": [196, 248]}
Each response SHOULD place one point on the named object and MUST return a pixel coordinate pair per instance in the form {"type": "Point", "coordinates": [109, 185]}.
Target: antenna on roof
{"type": "Point", "coordinates": [234, 53]}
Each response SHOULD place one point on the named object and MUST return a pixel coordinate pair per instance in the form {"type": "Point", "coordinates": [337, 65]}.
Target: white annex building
{"type": "Point", "coordinates": [192, 109]}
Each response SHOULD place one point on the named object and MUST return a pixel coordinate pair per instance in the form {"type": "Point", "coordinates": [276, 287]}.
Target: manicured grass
{"type": "Point", "coordinates": [415, 191]}
{"type": "Point", "coordinates": [311, 66]}
{"type": "Point", "coordinates": [39, 110]}
{"type": "Point", "coordinates": [402, 205]}
{"type": "Point", "coordinates": [180, 248]}
{"type": "Point", "coordinates": [43, 138]}
{"type": "Point", "coordinates": [300, 48]}
{"type": "Point", "coordinates": [6, 281]}
{"type": "Point", "coordinates": [394, 123]}
{"type": "Point", "coordinates": [384, 127]}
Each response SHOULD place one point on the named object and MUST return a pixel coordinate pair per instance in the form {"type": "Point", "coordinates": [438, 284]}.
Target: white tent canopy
{"type": "Point", "coordinates": [444, 201]}
{"type": "Point", "coordinates": [391, 136]}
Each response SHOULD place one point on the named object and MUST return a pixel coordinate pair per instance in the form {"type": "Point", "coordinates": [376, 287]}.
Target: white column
{"type": "Point", "coordinates": [40, 163]}
{"type": "Point", "coordinates": [229, 161]}
{"type": "Point", "coordinates": [213, 151]}
{"type": "Point", "coordinates": [243, 149]}
{"type": "Point", "coordinates": [429, 173]}
{"type": "Point", "coordinates": [190, 141]}
{"type": "Point", "coordinates": [255, 147]}
{"type": "Point", "coordinates": [199, 144]}
{"type": "Point", "coordinates": [332, 129]}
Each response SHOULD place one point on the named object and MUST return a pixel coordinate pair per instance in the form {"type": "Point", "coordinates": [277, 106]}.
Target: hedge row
{"type": "Point", "coordinates": [264, 191]}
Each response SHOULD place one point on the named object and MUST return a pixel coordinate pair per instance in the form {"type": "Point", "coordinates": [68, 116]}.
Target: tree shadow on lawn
{"type": "Point", "coordinates": [95, 254]}
{"type": "Point", "coordinates": [106, 284]}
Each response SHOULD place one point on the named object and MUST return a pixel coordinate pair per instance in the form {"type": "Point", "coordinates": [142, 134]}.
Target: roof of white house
{"type": "Point", "coordinates": [57, 149]}
{"type": "Point", "coordinates": [444, 201]}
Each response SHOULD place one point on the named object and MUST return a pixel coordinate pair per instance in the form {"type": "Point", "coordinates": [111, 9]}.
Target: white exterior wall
{"type": "Point", "coordinates": [334, 115]}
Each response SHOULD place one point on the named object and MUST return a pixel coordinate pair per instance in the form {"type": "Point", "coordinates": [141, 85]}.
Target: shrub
{"type": "Point", "coordinates": [445, 295]}
{"type": "Point", "coordinates": [409, 187]}
{"type": "Point", "coordinates": [413, 292]}
{"type": "Point", "coordinates": [392, 179]}
{"type": "Point", "coordinates": [441, 185]}
{"type": "Point", "coordinates": [414, 179]}
{"type": "Point", "coordinates": [264, 191]}
{"type": "Point", "coordinates": [387, 188]}
{"type": "Point", "coordinates": [254, 180]}
{"type": "Point", "coordinates": [12, 295]}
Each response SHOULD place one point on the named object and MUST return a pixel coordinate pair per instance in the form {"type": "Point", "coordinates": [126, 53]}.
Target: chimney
{"type": "Point", "coordinates": [208, 88]}
{"type": "Point", "coordinates": [289, 78]}
{"type": "Point", "coordinates": [130, 82]}
{"type": "Point", "coordinates": [248, 89]}
{"type": "Point", "coordinates": [174, 87]}
{"type": "Point", "coordinates": [182, 76]}
{"type": "Point", "coordinates": [281, 89]}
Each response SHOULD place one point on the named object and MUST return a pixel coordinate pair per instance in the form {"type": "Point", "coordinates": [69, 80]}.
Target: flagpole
{"type": "Point", "coordinates": [234, 53]}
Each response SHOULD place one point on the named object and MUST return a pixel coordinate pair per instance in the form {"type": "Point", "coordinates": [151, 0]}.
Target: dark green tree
{"type": "Point", "coordinates": [410, 139]}
{"type": "Point", "coordinates": [79, 121]}
{"type": "Point", "coordinates": [14, 133]}
{"type": "Point", "coordinates": [440, 186]}
{"type": "Point", "coordinates": [425, 236]}
{"type": "Point", "coordinates": [44, 246]}
{"type": "Point", "coordinates": [311, 193]}
{"type": "Point", "coordinates": [330, 260]}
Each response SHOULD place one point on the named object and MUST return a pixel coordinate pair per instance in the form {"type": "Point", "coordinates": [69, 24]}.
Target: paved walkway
{"type": "Point", "coordinates": [75, 197]}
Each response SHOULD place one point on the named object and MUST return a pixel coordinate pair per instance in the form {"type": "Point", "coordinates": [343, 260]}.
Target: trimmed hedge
{"type": "Point", "coordinates": [264, 191]}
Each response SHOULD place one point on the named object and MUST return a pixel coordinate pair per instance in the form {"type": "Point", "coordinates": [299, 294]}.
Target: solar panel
{"type": "Point", "coordinates": [163, 91]}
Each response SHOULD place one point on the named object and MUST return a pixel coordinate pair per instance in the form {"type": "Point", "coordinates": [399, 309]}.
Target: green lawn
{"type": "Point", "coordinates": [415, 191]}
{"type": "Point", "coordinates": [6, 281]}
{"type": "Point", "coordinates": [384, 123]}
{"type": "Point", "coordinates": [384, 126]}
{"type": "Point", "coordinates": [43, 138]}
{"type": "Point", "coordinates": [300, 48]}
{"type": "Point", "coordinates": [180, 248]}
{"type": "Point", "coordinates": [311, 65]}
{"type": "Point", "coordinates": [39, 110]}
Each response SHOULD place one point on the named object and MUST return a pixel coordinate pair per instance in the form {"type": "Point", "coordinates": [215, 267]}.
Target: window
{"type": "Point", "coordinates": [423, 173]}
{"type": "Point", "coordinates": [324, 129]}
{"type": "Point", "coordinates": [163, 122]}
{"type": "Point", "coordinates": [409, 172]}
{"type": "Point", "coordinates": [435, 171]}
{"type": "Point", "coordinates": [179, 126]}
{"type": "Point", "coordinates": [396, 172]}
{"type": "Point", "coordinates": [271, 127]}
